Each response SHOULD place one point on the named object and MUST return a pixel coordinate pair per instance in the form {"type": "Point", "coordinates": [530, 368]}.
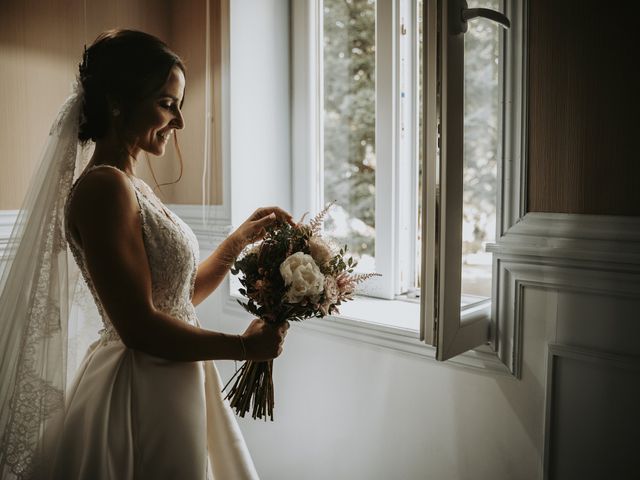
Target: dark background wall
{"type": "Point", "coordinates": [584, 134]}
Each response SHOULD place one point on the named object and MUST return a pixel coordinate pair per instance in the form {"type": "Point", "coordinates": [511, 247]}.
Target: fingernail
{"type": "Point", "coordinates": [273, 215]}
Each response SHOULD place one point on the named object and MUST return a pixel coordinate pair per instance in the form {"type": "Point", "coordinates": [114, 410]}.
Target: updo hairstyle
{"type": "Point", "coordinates": [126, 67]}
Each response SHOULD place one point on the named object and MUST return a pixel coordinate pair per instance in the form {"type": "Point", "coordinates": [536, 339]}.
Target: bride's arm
{"type": "Point", "coordinates": [105, 214]}
{"type": "Point", "coordinates": [214, 268]}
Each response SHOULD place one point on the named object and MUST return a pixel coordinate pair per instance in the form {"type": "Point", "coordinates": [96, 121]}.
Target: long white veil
{"type": "Point", "coordinates": [39, 281]}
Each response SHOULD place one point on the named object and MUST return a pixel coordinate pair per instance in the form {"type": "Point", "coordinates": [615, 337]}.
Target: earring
{"type": "Point", "coordinates": [115, 112]}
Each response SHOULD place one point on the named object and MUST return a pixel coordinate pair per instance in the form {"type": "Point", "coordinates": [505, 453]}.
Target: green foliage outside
{"type": "Point", "coordinates": [349, 126]}
{"type": "Point", "coordinates": [349, 122]}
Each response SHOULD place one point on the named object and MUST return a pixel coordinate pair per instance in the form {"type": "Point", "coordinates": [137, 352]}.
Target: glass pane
{"type": "Point", "coordinates": [481, 139]}
{"type": "Point", "coordinates": [420, 139]}
{"type": "Point", "coordinates": [349, 125]}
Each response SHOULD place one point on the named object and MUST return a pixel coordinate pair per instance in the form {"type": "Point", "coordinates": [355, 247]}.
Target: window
{"type": "Point", "coordinates": [401, 121]}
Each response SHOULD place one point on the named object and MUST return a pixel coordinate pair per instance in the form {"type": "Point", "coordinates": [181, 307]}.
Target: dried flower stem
{"type": "Point", "coordinates": [255, 382]}
{"type": "Point", "coordinates": [316, 222]}
{"type": "Point", "coordinates": [361, 277]}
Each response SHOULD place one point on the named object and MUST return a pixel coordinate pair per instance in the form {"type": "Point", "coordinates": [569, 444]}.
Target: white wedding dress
{"type": "Point", "coordinates": [130, 415]}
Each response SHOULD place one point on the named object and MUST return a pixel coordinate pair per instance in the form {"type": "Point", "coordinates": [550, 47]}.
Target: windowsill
{"type": "Point", "coordinates": [391, 324]}
{"type": "Point", "coordinates": [400, 314]}
{"type": "Point", "coordinates": [403, 315]}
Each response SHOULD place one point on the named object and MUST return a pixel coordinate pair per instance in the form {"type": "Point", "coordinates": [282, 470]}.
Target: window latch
{"type": "Point", "coordinates": [459, 14]}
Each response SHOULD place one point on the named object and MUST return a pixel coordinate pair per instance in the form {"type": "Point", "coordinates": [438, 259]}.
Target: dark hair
{"type": "Point", "coordinates": [123, 66]}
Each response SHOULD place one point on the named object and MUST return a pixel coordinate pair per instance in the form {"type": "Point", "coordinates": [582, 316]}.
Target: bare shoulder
{"type": "Point", "coordinates": [103, 197]}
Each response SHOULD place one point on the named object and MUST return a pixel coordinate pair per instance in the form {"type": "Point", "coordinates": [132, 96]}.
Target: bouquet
{"type": "Point", "coordinates": [291, 274]}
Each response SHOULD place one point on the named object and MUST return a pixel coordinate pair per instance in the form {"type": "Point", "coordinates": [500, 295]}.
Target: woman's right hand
{"type": "Point", "coordinates": [263, 341]}
{"type": "Point", "coordinates": [254, 227]}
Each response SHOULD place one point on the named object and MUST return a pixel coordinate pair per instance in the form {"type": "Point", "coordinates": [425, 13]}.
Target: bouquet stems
{"type": "Point", "coordinates": [254, 384]}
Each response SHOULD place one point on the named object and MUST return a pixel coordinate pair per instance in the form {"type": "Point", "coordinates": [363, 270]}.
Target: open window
{"type": "Point", "coordinates": [471, 77]}
{"type": "Point", "coordinates": [414, 127]}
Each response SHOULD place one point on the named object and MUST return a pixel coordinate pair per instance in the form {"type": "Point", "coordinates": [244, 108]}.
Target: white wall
{"type": "Point", "coordinates": [259, 89]}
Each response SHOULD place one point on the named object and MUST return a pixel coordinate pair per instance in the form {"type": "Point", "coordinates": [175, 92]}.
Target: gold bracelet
{"type": "Point", "coordinates": [244, 350]}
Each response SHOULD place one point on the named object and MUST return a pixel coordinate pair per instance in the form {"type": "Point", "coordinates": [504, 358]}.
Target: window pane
{"type": "Point", "coordinates": [349, 125]}
{"type": "Point", "coordinates": [481, 135]}
{"type": "Point", "coordinates": [420, 139]}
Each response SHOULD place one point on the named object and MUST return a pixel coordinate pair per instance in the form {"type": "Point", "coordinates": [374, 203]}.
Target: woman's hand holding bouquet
{"type": "Point", "coordinates": [262, 341]}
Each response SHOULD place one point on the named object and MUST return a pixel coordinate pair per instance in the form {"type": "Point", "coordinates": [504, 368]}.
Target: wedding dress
{"type": "Point", "coordinates": [132, 415]}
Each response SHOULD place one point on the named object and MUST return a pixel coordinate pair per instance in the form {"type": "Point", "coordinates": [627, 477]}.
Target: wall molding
{"type": "Point", "coordinates": [581, 253]}
{"type": "Point", "coordinates": [613, 242]}
{"type": "Point", "coordinates": [7, 219]}
{"type": "Point", "coordinates": [557, 352]}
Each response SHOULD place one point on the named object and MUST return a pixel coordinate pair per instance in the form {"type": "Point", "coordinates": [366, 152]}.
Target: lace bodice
{"type": "Point", "coordinates": [172, 252]}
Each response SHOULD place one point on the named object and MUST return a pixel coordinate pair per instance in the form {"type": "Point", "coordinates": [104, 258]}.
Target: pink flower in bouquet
{"type": "Point", "coordinates": [259, 290]}
{"type": "Point", "coordinates": [320, 251]}
{"type": "Point", "coordinates": [254, 249]}
{"type": "Point", "coordinates": [331, 295]}
{"type": "Point", "coordinates": [346, 286]}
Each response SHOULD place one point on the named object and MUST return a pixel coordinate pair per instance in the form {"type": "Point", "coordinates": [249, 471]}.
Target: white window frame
{"type": "Point", "coordinates": [472, 333]}
{"type": "Point", "coordinates": [394, 185]}
{"type": "Point", "coordinates": [444, 325]}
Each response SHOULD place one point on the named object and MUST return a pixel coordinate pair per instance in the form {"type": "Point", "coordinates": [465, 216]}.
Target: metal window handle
{"type": "Point", "coordinates": [459, 14]}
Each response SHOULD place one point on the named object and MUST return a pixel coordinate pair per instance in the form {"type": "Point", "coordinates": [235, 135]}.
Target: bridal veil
{"type": "Point", "coordinates": [40, 289]}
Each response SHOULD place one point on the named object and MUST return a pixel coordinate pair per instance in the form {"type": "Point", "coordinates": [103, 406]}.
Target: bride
{"type": "Point", "coordinates": [146, 401]}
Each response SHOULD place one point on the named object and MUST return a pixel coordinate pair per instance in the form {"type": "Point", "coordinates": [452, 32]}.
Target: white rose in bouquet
{"type": "Point", "coordinates": [303, 277]}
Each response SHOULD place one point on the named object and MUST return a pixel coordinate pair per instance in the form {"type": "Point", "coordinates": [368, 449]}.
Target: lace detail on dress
{"type": "Point", "coordinates": [172, 253]}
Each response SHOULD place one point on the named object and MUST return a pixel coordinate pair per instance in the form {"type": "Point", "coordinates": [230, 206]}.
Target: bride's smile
{"type": "Point", "coordinates": [154, 121]}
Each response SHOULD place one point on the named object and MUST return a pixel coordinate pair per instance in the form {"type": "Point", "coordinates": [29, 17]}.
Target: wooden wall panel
{"type": "Point", "coordinates": [41, 43]}
{"type": "Point", "coordinates": [219, 26]}
{"type": "Point", "coordinates": [188, 38]}
{"type": "Point", "coordinates": [583, 108]}
{"type": "Point", "coordinates": [151, 16]}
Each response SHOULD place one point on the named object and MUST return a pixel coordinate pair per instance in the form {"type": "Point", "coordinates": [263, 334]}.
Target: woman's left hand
{"type": "Point", "coordinates": [254, 227]}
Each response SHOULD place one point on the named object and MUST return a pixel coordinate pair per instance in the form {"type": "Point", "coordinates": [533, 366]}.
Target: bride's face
{"type": "Point", "coordinates": [154, 119]}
